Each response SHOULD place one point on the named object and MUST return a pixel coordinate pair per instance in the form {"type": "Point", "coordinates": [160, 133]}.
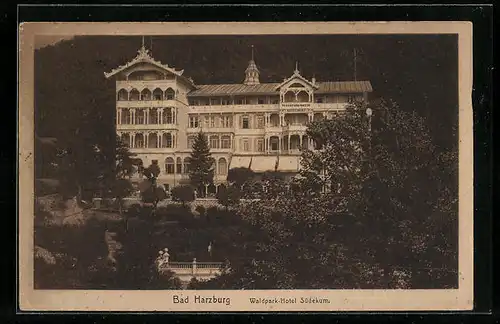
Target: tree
{"type": "Point", "coordinates": [126, 164]}
{"type": "Point", "coordinates": [274, 184]}
{"type": "Point", "coordinates": [228, 196]}
{"type": "Point", "coordinates": [183, 193]}
{"type": "Point", "coordinates": [151, 193]}
{"type": "Point", "coordinates": [201, 171]}
{"type": "Point", "coordinates": [239, 176]}
{"type": "Point", "coordinates": [387, 211]}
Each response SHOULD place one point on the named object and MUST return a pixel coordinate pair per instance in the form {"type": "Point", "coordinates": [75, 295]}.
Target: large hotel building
{"type": "Point", "coordinates": [159, 111]}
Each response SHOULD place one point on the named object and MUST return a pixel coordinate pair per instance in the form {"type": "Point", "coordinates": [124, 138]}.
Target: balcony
{"type": "Point", "coordinates": [149, 150]}
{"type": "Point", "coordinates": [295, 128]}
{"type": "Point", "coordinates": [126, 127]}
{"type": "Point", "coordinates": [196, 130]}
{"type": "Point", "coordinates": [145, 103]}
{"type": "Point", "coordinates": [298, 107]}
{"type": "Point", "coordinates": [236, 108]}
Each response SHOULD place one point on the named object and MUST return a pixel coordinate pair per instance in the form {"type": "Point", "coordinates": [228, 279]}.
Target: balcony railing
{"type": "Point", "coordinates": [146, 103]}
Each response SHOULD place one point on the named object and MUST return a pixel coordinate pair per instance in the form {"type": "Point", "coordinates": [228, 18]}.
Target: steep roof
{"type": "Point", "coordinates": [205, 90]}
{"type": "Point", "coordinates": [143, 56]}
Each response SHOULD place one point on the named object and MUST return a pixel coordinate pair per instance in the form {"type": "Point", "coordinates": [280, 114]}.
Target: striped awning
{"type": "Point", "coordinates": [289, 163]}
{"type": "Point", "coordinates": [240, 162]}
{"type": "Point", "coordinates": [263, 163]}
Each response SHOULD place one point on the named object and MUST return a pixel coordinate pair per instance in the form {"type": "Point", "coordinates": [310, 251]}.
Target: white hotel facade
{"type": "Point", "coordinates": [159, 112]}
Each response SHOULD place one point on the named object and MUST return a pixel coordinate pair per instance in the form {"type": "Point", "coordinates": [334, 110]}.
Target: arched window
{"type": "Point", "coordinates": [122, 95]}
{"type": "Point", "coordinates": [169, 165]}
{"type": "Point", "coordinates": [125, 138]}
{"type": "Point", "coordinates": [214, 142]}
{"type": "Point", "coordinates": [134, 95]}
{"type": "Point", "coordinates": [153, 116]}
{"type": "Point", "coordinates": [226, 142]}
{"type": "Point", "coordinates": [187, 162]}
{"type": "Point", "coordinates": [157, 94]}
{"type": "Point", "coordinates": [178, 165]}
{"type": "Point", "coordinates": [167, 115]}
{"type": "Point", "coordinates": [170, 94]}
{"type": "Point", "coordinates": [125, 116]}
{"type": "Point", "coordinates": [145, 94]}
{"type": "Point", "coordinates": [167, 140]}
{"type": "Point", "coordinates": [152, 140]}
{"type": "Point", "coordinates": [139, 116]}
{"type": "Point", "coordinates": [139, 140]}
{"type": "Point", "coordinates": [222, 166]}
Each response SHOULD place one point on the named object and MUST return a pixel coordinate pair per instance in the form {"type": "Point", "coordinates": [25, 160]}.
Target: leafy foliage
{"type": "Point", "coordinates": [183, 194]}
{"type": "Point", "coordinates": [386, 217]}
{"type": "Point", "coordinates": [239, 176]}
{"type": "Point", "coordinates": [228, 196]}
{"type": "Point", "coordinates": [201, 167]}
{"type": "Point", "coordinates": [151, 193]}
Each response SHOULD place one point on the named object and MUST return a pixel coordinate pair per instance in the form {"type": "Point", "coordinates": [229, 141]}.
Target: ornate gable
{"type": "Point", "coordinates": [297, 78]}
{"type": "Point", "coordinates": [143, 56]}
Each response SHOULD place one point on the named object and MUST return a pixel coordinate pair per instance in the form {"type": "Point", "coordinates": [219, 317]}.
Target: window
{"type": "Point", "coordinates": [167, 140]}
{"type": "Point", "coordinates": [152, 140]}
{"type": "Point", "coordinates": [225, 102]}
{"type": "Point", "coordinates": [319, 100]}
{"type": "Point", "coordinates": [213, 121]}
{"type": "Point", "coordinates": [170, 94]}
{"type": "Point", "coordinates": [145, 94]}
{"type": "Point", "coordinates": [225, 142]}
{"type": "Point", "coordinates": [214, 102]}
{"type": "Point", "coordinates": [260, 121]}
{"type": "Point", "coordinates": [125, 116]}
{"type": "Point", "coordinates": [134, 95]}
{"type": "Point", "coordinates": [261, 101]}
{"type": "Point", "coordinates": [193, 122]}
{"type": "Point", "coordinates": [169, 165]}
{"type": "Point", "coordinates": [226, 121]}
{"type": "Point", "coordinates": [153, 116]}
{"type": "Point", "coordinates": [274, 145]}
{"type": "Point", "coordinates": [350, 98]}
{"type": "Point", "coordinates": [157, 94]}
{"type": "Point", "coordinates": [187, 162]}
{"type": "Point", "coordinates": [214, 142]}
{"type": "Point", "coordinates": [246, 145]}
{"type": "Point", "coordinates": [139, 141]}
{"type": "Point", "coordinates": [154, 161]}
{"type": "Point", "coordinates": [260, 145]}
{"type": "Point", "coordinates": [222, 166]}
{"type": "Point", "coordinates": [122, 95]}
{"type": "Point", "coordinates": [139, 116]}
{"type": "Point", "coordinates": [168, 116]}
{"type": "Point", "coordinates": [240, 101]}
{"type": "Point", "coordinates": [275, 101]}
{"type": "Point", "coordinates": [195, 103]}
{"type": "Point", "coordinates": [245, 122]}
{"type": "Point", "coordinates": [178, 165]}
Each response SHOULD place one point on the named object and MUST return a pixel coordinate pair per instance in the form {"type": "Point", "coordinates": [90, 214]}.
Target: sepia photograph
{"type": "Point", "coordinates": [242, 170]}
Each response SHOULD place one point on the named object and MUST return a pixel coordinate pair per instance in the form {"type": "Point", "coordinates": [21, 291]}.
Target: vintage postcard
{"type": "Point", "coordinates": [226, 167]}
